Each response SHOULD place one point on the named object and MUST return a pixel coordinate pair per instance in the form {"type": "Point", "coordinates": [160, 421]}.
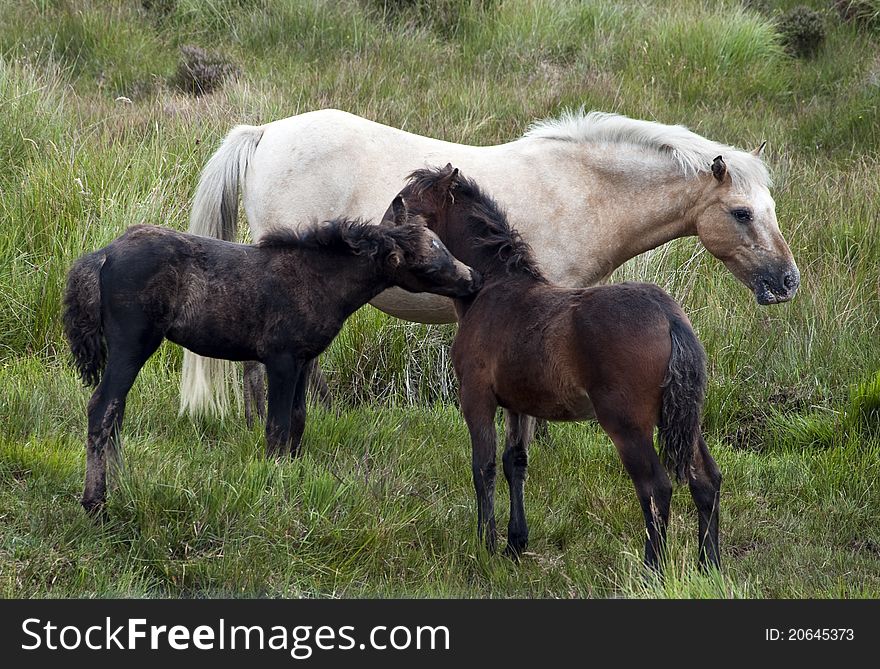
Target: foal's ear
{"type": "Point", "coordinates": [450, 176]}
{"type": "Point", "coordinates": [757, 152]}
{"type": "Point", "coordinates": [399, 211]}
{"type": "Point", "coordinates": [395, 258]}
{"type": "Point", "coordinates": [719, 169]}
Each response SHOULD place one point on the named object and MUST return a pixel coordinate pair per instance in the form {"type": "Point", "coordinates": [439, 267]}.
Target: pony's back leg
{"type": "Point", "coordinates": [254, 392]}
{"type": "Point", "coordinates": [478, 406]}
{"type": "Point", "coordinates": [318, 387]}
{"type": "Point", "coordinates": [633, 436]}
{"type": "Point", "coordinates": [519, 431]}
{"type": "Point", "coordinates": [125, 358]}
{"type": "Point", "coordinates": [705, 484]}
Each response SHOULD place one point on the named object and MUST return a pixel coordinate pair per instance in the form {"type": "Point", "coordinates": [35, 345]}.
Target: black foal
{"type": "Point", "coordinates": [280, 302]}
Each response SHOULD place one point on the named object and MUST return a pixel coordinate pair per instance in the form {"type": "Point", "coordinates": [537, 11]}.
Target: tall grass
{"type": "Point", "coordinates": [94, 138]}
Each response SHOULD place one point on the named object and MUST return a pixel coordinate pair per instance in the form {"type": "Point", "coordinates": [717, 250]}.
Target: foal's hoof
{"type": "Point", "coordinates": [516, 546]}
{"type": "Point", "coordinates": [709, 565]}
{"type": "Point", "coordinates": [96, 510]}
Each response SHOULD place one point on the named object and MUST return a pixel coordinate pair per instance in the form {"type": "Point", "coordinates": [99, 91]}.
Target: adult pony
{"type": "Point", "coordinates": [624, 353]}
{"type": "Point", "coordinates": [612, 186]}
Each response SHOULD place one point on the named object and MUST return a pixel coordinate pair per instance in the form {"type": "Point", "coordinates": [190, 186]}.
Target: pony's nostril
{"type": "Point", "coordinates": [789, 281]}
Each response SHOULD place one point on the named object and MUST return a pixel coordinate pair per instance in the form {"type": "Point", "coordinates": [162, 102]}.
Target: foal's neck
{"type": "Point", "coordinates": [349, 280]}
{"type": "Point", "coordinates": [466, 239]}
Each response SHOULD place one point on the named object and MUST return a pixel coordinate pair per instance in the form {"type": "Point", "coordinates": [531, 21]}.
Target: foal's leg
{"type": "Point", "coordinates": [254, 392]}
{"type": "Point", "coordinates": [705, 484]}
{"type": "Point", "coordinates": [635, 445]}
{"type": "Point", "coordinates": [298, 409]}
{"type": "Point", "coordinates": [106, 410]}
{"type": "Point", "coordinates": [478, 408]}
{"type": "Point", "coordinates": [283, 372]}
{"type": "Point", "coordinates": [542, 431]}
{"type": "Point", "coordinates": [519, 430]}
{"type": "Point", "coordinates": [318, 387]}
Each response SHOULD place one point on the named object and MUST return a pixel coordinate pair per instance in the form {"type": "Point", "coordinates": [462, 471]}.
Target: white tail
{"type": "Point", "coordinates": [204, 383]}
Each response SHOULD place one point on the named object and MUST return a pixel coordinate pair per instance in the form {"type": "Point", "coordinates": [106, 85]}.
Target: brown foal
{"type": "Point", "coordinates": [624, 354]}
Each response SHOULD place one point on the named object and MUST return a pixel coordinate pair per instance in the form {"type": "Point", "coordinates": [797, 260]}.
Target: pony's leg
{"type": "Point", "coordinates": [705, 484]}
{"type": "Point", "coordinates": [283, 372]}
{"type": "Point", "coordinates": [102, 421]}
{"type": "Point", "coordinates": [298, 409]}
{"type": "Point", "coordinates": [318, 387]}
{"type": "Point", "coordinates": [106, 411]}
{"type": "Point", "coordinates": [254, 392]}
{"type": "Point", "coordinates": [479, 409]}
{"type": "Point", "coordinates": [635, 445]}
{"type": "Point", "coordinates": [542, 431]}
{"type": "Point", "coordinates": [519, 429]}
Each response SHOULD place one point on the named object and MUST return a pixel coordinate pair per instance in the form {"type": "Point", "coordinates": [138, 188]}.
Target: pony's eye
{"type": "Point", "coordinates": [742, 215]}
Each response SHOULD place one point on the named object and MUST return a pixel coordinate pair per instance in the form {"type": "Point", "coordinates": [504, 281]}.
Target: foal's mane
{"type": "Point", "coordinates": [691, 153]}
{"type": "Point", "coordinates": [486, 218]}
{"type": "Point", "coordinates": [340, 235]}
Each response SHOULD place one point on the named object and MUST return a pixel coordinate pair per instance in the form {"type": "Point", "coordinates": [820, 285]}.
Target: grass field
{"type": "Point", "coordinates": [95, 137]}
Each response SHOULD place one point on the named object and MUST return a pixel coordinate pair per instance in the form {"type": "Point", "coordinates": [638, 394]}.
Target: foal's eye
{"type": "Point", "coordinates": [742, 215]}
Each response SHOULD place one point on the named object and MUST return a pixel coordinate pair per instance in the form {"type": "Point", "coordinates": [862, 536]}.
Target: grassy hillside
{"type": "Point", "coordinates": [96, 134]}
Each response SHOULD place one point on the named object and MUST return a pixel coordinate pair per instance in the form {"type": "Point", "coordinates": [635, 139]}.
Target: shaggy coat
{"type": "Point", "coordinates": [280, 302]}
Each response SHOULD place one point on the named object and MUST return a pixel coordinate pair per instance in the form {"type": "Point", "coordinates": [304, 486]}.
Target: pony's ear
{"type": "Point", "coordinates": [719, 169]}
{"type": "Point", "coordinates": [757, 152]}
{"type": "Point", "coordinates": [399, 211]}
{"type": "Point", "coordinates": [394, 258]}
{"type": "Point", "coordinates": [449, 178]}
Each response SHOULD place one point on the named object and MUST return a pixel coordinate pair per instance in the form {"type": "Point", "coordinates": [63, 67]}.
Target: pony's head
{"type": "Point", "coordinates": [420, 262]}
{"type": "Point", "coordinates": [737, 224]}
{"type": "Point", "coordinates": [468, 221]}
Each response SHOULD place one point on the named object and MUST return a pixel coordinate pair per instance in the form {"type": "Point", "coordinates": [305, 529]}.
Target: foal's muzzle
{"type": "Point", "coordinates": [476, 280]}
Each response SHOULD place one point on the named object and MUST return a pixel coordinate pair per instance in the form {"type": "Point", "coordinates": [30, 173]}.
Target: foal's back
{"type": "Point", "coordinates": [549, 351]}
{"type": "Point", "coordinates": [214, 297]}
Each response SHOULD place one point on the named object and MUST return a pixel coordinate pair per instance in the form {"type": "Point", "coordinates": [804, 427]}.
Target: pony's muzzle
{"type": "Point", "coordinates": [777, 287]}
{"type": "Point", "coordinates": [476, 280]}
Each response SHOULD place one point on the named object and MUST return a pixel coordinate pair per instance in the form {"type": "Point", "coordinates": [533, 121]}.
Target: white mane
{"type": "Point", "coordinates": [690, 152]}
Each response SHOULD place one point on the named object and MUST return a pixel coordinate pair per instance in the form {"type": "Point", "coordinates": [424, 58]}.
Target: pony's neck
{"type": "Point", "coordinates": [651, 208]}
{"type": "Point", "coordinates": [465, 237]}
{"type": "Point", "coordinates": [347, 281]}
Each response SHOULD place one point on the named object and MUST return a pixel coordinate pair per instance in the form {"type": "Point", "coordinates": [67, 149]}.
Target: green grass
{"type": "Point", "coordinates": [93, 138]}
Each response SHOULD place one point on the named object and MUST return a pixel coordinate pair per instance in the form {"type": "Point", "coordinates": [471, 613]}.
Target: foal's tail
{"type": "Point", "coordinates": [82, 317]}
{"type": "Point", "coordinates": [215, 214]}
{"type": "Point", "coordinates": [684, 389]}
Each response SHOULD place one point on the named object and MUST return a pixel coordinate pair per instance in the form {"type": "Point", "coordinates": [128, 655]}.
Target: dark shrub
{"type": "Point", "coordinates": [159, 7]}
{"type": "Point", "coordinates": [447, 17]}
{"type": "Point", "coordinates": [201, 71]}
{"type": "Point", "coordinates": [864, 13]}
{"type": "Point", "coordinates": [803, 31]}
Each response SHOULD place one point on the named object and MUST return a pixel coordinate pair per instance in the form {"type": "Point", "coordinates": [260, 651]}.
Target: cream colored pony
{"type": "Point", "coordinates": [613, 186]}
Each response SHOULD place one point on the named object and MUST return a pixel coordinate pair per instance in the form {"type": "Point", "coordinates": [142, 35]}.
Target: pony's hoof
{"type": "Point", "coordinates": [708, 565]}
{"type": "Point", "coordinates": [96, 510]}
{"type": "Point", "coordinates": [516, 546]}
